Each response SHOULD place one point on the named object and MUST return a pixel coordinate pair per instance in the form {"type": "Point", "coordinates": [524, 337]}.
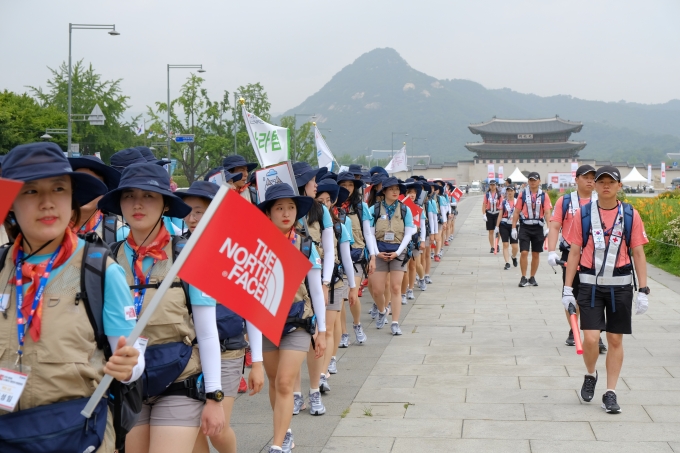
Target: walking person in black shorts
{"type": "Point", "coordinates": [504, 227]}
{"type": "Point", "coordinates": [490, 209]}
{"type": "Point", "coordinates": [531, 209]}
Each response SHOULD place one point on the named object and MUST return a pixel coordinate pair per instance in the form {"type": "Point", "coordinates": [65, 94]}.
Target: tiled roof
{"type": "Point", "coordinates": [539, 126]}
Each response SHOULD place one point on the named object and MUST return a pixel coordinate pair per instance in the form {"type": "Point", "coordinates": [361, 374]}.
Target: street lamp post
{"type": "Point", "coordinates": [295, 115]}
{"type": "Point", "coordinates": [404, 133]}
{"type": "Point", "coordinates": [177, 66]}
{"type": "Point", "coordinates": [413, 150]}
{"type": "Point", "coordinates": [71, 27]}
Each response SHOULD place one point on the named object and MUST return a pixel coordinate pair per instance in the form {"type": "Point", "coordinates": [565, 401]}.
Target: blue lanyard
{"type": "Point", "coordinates": [140, 293]}
{"type": "Point", "coordinates": [21, 324]}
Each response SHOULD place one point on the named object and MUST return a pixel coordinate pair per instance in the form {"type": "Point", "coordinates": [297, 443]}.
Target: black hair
{"type": "Point", "coordinates": [373, 196]}
{"type": "Point", "coordinates": [315, 214]}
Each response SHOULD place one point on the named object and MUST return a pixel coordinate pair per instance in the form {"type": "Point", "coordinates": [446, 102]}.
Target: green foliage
{"type": "Point", "coordinates": [345, 159]}
{"type": "Point", "coordinates": [660, 216]}
{"type": "Point", "coordinates": [302, 144]}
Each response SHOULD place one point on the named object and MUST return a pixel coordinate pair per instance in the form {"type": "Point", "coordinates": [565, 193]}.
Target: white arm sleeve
{"type": "Point", "coordinates": [422, 231]}
{"type": "Point", "coordinates": [318, 301]}
{"type": "Point", "coordinates": [138, 369]}
{"type": "Point", "coordinates": [408, 234]}
{"type": "Point", "coordinates": [434, 228]}
{"type": "Point", "coordinates": [328, 246]}
{"type": "Point", "coordinates": [255, 340]}
{"type": "Point", "coordinates": [205, 322]}
{"type": "Point", "coordinates": [366, 224]}
{"type": "Point", "coordinates": [347, 264]}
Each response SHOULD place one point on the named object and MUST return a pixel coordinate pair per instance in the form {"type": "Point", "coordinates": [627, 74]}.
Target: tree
{"type": "Point", "coordinates": [302, 144]}
{"type": "Point", "coordinates": [88, 89]}
{"type": "Point", "coordinates": [346, 159]}
{"type": "Point", "coordinates": [23, 120]}
{"type": "Point", "coordinates": [256, 102]}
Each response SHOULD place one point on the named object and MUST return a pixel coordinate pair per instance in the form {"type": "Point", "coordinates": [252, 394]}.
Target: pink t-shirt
{"type": "Point", "coordinates": [545, 205]}
{"type": "Point", "coordinates": [608, 216]}
{"type": "Point", "coordinates": [488, 201]}
{"type": "Point", "coordinates": [569, 218]}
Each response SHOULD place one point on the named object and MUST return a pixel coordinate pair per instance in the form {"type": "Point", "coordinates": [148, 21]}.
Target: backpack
{"type": "Point", "coordinates": [109, 228]}
{"type": "Point", "coordinates": [627, 224]}
{"type": "Point", "coordinates": [294, 319]}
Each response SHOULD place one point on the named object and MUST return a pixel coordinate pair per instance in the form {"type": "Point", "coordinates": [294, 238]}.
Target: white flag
{"type": "Point", "coordinates": [323, 152]}
{"type": "Point", "coordinates": [270, 142]}
{"type": "Point", "coordinates": [398, 162]}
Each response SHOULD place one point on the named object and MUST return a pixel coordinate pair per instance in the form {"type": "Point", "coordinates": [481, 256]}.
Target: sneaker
{"type": "Point", "coordinates": [298, 404]}
{"type": "Point", "coordinates": [389, 308]}
{"type": "Point", "coordinates": [333, 366]}
{"type": "Point", "coordinates": [446, 242]}
{"type": "Point", "coordinates": [316, 407]}
{"type": "Point", "coordinates": [588, 388]}
{"type": "Point", "coordinates": [432, 255]}
{"type": "Point", "coordinates": [422, 285]}
{"type": "Point", "coordinates": [274, 450]}
{"type": "Point", "coordinates": [344, 341]}
{"type": "Point", "coordinates": [532, 282]}
{"type": "Point", "coordinates": [428, 280]}
{"type": "Point", "coordinates": [395, 329]}
{"type": "Point", "coordinates": [382, 319]}
{"type": "Point", "coordinates": [609, 403]}
{"type": "Point", "coordinates": [492, 250]}
{"type": "Point", "coordinates": [507, 266]}
{"type": "Point", "coordinates": [437, 258]}
{"type": "Point", "coordinates": [288, 444]}
{"type": "Point", "coordinates": [374, 311]}
{"type": "Point", "coordinates": [523, 282]}
{"type": "Point", "coordinates": [359, 333]}
{"type": "Point", "coordinates": [409, 294]}
{"type": "Point", "coordinates": [361, 291]}
{"type": "Point", "coordinates": [514, 262]}
{"type": "Point", "coordinates": [570, 339]}
{"type": "Point", "coordinates": [364, 282]}
{"type": "Point", "coordinates": [403, 299]}
{"type": "Point", "coordinates": [242, 386]}
{"type": "Point", "coordinates": [323, 385]}
{"type": "Point", "coordinates": [249, 358]}
{"type": "Point", "coordinates": [603, 348]}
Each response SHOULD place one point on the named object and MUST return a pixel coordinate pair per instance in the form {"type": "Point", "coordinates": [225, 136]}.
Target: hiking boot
{"type": "Point", "coordinates": [409, 294]}
{"type": "Point", "coordinates": [298, 403]}
{"type": "Point", "coordinates": [403, 299]}
{"type": "Point", "coordinates": [570, 339]}
{"type": "Point", "coordinates": [492, 250]}
{"type": "Point", "coordinates": [382, 319]}
{"type": "Point", "coordinates": [395, 329]}
{"type": "Point", "coordinates": [316, 407]}
{"type": "Point", "coordinates": [249, 358]}
{"type": "Point", "coordinates": [422, 285]}
{"type": "Point", "coordinates": [374, 311]}
{"type": "Point", "coordinates": [603, 348]}
{"type": "Point", "coordinates": [344, 341]}
{"type": "Point", "coordinates": [507, 266]}
{"type": "Point", "coordinates": [359, 332]}
{"type": "Point", "coordinates": [323, 385]}
{"type": "Point", "coordinates": [437, 258]}
{"type": "Point", "coordinates": [532, 282]}
{"type": "Point", "coordinates": [523, 282]}
{"type": "Point", "coordinates": [288, 444]}
{"type": "Point", "coordinates": [609, 403]}
{"type": "Point", "coordinates": [242, 386]}
{"type": "Point", "coordinates": [588, 388]}
{"type": "Point", "coordinates": [333, 366]}
{"type": "Point", "coordinates": [514, 262]}
{"type": "Point", "coordinates": [428, 280]}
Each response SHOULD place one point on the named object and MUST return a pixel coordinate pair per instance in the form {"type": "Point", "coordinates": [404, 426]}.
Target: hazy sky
{"type": "Point", "coordinates": [591, 49]}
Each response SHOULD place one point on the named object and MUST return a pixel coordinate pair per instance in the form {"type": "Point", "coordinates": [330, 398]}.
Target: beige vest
{"type": "Point", "coordinates": [301, 293]}
{"type": "Point", "coordinates": [65, 363]}
{"type": "Point", "coordinates": [383, 225]}
{"type": "Point", "coordinates": [357, 230]}
{"type": "Point", "coordinates": [315, 234]}
{"type": "Point", "coordinates": [171, 321]}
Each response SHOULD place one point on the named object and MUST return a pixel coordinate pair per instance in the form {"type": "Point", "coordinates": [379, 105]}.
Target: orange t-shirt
{"type": "Point", "coordinates": [608, 216]}
{"type": "Point", "coordinates": [569, 218]}
{"type": "Point", "coordinates": [545, 205]}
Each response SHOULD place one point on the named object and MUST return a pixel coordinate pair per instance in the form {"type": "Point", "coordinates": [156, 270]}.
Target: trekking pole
{"type": "Point", "coordinates": [495, 245]}
{"type": "Point", "coordinates": [573, 320]}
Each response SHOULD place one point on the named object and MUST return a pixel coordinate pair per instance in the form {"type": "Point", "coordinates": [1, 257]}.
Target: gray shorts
{"type": "Point", "coordinates": [416, 253]}
{"type": "Point", "coordinates": [297, 340]}
{"type": "Point", "coordinates": [172, 410]}
{"type": "Point", "coordinates": [232, 369]}
{"type": "Point", "coordinates": [394, 266]}
{"type": "Point", "coordinates": [339, 294]}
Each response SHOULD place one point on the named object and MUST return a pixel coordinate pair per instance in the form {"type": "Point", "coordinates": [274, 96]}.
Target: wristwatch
{"type": "Point", "coordinates": [645, 290]}
{"type": "Point", "coordinates": [217, 395]}
{"type": "Point", "coordinates": [326, 284]}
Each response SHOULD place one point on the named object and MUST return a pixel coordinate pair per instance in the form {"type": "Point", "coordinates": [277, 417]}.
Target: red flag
{"type": "Point", "coordinates": [415, 210]}
{"type": "Point", "coordinates": [457, 193]}
{"type": "Point", "coordinates": [9, 188]}
{"type": "Point", "coordinates": [249, 267]}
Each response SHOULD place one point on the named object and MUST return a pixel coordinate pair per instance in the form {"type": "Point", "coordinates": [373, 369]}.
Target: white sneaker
{"type": "Point", "coordinates": [428, 280]}
{"type": "Point", "coordinates": [403, 299]}
{"type": "Point", "coordinates": [422, 285]}
{"type": "Point", "coordinates": [409, 294]}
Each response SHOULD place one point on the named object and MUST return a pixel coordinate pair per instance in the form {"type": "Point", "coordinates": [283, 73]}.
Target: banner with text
{"type": "Point", "coordinates": [398, 162]}
{"type": "Point", "coordinates": [663, 172]}
{"type": "Point", "coordinates": [491, 173]}
{"type": "Point", "coordinates": [500, 173]}
{"type": "Point", "coordinates": [270, 142]}
{"type": "Point", "coordinates": [415, 209]}
{"type": "Point", "coordinates": [457, 194]}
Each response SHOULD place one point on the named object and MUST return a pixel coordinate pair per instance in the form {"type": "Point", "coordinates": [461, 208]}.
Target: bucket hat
{"type": "Point", "coordinates": [42, 160]}
{"type": "Point", "coordinates": [152, 178]}
{"type": "Point", "coordinates": [412, 183]}
{"type": "Point", "coordinates": [304, 173]}
{"type": "Point", "coordinates": [233, 161]}
{"type": "Point", "coordinates": [279, 191]}
{"type": "Point", "coordinates": [355, 169]}
{"type": "Point", "coordinates": [200, 189]}
{"type": "Point", "coordinates": [378, 169]}
{"type": "Point", "coordinates": [329, 175]}
{"type": "Point", "coordinates": [149, 156]}
{"type": "Point", "coordinates": [126, 157]}
{"type": "Point", "coordinates": [392, 181]}
{"type": "Point", "coordinates": [338, 194]}
{"type": "Point", "coordinates": [349, 176]}
{"type": "Point", "coordinates": [233, 177]}
{"type": "Point", "coordinates": [111, 175]}
{"type": "Point", "coordinates": [378, 178]}
{"type": "Point", "coordinates": [426, 187]}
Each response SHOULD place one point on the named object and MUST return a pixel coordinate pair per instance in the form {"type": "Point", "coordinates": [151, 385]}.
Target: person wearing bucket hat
{"type": "Point", "coordinates": [148, 155]}
{"type": "Point", "coordinates": [431, 209]}
{"type": "Point", "coordinates": [238, 164]}
{"type": "Point", "coordinates": [393, 228]}
{"type": "Point", "coordinates": [363, 249]}
{"type": "Point", "coordinates": [416, 273]}
{"type": "Point", "coordinates": [230, 328]}
{"type": "Point", "coordinates": [343, 286]}
{"type": "Point", "coordinates": [439, 218]}
{"type": "Point", "coordinates": [491, 206]}
{"type": "Point", "coordinates": [356, 170]}
{"type": "Point", "coordinates": [283, 363]}
{"type": "Point", "coordinates": [143, 198]}
{"type": "Point", "coordinates": [445, 212]}
{"type": "Point", "coordinates": [375, 189]}
{"type": "Point", "coordinates": [126, 157]}
{"type": "Point", "coordinates": [54, 341]}
{"type": "Point", "coordinates": [377, 169]}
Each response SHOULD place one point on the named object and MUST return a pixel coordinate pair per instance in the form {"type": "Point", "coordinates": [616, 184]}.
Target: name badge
{"type": "Point", "coordinates": [384, 216]}
{"type": "Point", "coordinates": [389, 236]}
{"type": "Point", "coordinates": [599, 242]}
{"type": "Point", "coordinates": [142, 342]}
{"type": "Point", "coordinates": [12, 385]}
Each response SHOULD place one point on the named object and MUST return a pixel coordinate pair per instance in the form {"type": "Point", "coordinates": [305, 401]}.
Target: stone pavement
{"type": "Point", "coordinates": [482, 366]}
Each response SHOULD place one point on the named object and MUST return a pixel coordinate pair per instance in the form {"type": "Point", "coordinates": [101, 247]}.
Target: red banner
{"type": "Point", "coordinates": [415, 209]}
{"type": "Point", "coordinates": [457, 193]}
{"type": "Point", "coordinates": [9, 190]}
{"type": "Point", "coordinates": [249, 267]}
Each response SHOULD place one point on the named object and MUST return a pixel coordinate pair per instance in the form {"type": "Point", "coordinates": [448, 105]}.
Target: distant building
{"type": "Point", "coordinates": [423, 159]}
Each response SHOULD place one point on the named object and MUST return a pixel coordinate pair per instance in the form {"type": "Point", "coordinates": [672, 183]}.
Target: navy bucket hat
{"type": "Point", "coordinates": [46, 160]}
{"type": "Point", "coordinates": [111, 175]}
{"type": "Point", "coordinates": [338, 194]}
{"type": "Point", "coordinates": [126, 157]}
{"type": "Point", "coordinates": [412, 183]}
{"type": "Point", "coordinates": [390, 182]}
{"type": "Point", "coordinates": [231, 162]}
{"type": "Point", "coordinates": [426, 187]}
{"type": "Point", "coordinates": [349, 176]}
{"type": "Point", "coordinates": [304, 173]}
{"type": "Point", "coordinates": [152, 178]}
{"type": "Point", "coordinates": [355, 169]}
{"type": "Point", "coordinates": [149, 156]}
{"type": "Point", "coordinates": [378, 169]}
{"type": "Point", "coordinates": [378, 178]}
{"type": "Point", "coordinates": [280, 191]}
{"type": "Point", "coordinates": [200, 189]}
{"type": "Point", "coordinates": [233, 177]}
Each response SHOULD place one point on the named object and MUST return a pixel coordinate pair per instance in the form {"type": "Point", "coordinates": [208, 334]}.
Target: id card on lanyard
{"type": "Point", "coordinates": [141, 292]}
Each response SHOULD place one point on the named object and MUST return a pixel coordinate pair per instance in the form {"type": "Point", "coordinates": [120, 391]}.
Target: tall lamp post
{"type": "Point", "coordinates": [177, 66]}
{"type": "Point", "coordinates": [404, 133]}
{"type": "Point", "coordinates": [413, 150]}
{"type": "Point", "coordinates": [295, 115]}
{"type": "Point", "coordinates": [71, 27]}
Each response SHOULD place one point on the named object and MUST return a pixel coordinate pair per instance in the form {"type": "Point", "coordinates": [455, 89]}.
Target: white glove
{"type": "Point", "coordinates": [495, 230]}
{"type": "Point", "coordinates": [513, 233]}
{"type": "Point", "coordinates": [568, 297]}
{"type": "Point", "coordinates": [484, 217]}
{"type": "Point", "coordinates": [642, 304]}
{"type": "Point", "coordinates": [552, 258]}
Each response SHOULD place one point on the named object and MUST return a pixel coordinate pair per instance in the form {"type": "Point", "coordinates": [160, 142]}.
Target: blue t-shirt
{"type": "Point", "coordinates": [117, 295]}
{"type": "Point", "coordinates": [347, 227]}
{"type": "Point", "coordinates": [443, 201]}
{"type": "Point", "coordinates": [432, 207]}
{"type": "Point", "coordinates": [327, 220]}
{"type": "Point", "coordinates": [408, 220]}
{"type": "Point", "coordinates": [197, 296]}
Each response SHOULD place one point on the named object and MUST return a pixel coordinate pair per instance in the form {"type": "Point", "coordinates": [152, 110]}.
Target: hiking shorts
{"type": "Point", "coordinates": [297, 340]}
{"type": "Point", "coordinates": [531, 238]}
{"type": "Point", "coordinates": [232, 369]}
{"type": "Point", "coordinates": [391, 266]}
{"type": "Point", "coordinates": [604, 314]}
{"type": "Point", "coordinates": [338, 295]}
{"type": "Point", "coordinates": [505, 230]}
{"type": "Point", "coordinates": [491, 220]}
{"type": "Point", "coordinates": [172, 410]}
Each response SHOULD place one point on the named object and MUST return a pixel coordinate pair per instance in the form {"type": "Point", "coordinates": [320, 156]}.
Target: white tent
{"type": "Point", "coordinates": [634, 176]}
{"type": "Point", "coordinates": [517, 176]}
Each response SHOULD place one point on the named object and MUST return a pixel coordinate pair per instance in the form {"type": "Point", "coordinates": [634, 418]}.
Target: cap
{"type": "Point", "coordinates": [534, 175]}
{"type": "Point", "coordinates": [608, 170]}
{"type": "Point", "coordinates": [583, 169]}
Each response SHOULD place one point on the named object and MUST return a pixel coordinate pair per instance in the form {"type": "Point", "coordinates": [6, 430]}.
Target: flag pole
{"type": "Point", "coordinates": [156, 300]}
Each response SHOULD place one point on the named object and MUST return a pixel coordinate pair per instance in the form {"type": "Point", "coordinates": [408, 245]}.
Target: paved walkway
{"type": "Point", "coordinates": [482, 366]}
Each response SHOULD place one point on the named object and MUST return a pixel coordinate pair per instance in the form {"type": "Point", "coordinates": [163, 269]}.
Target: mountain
{"type": "Point", "coordinates": [380, 93]}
